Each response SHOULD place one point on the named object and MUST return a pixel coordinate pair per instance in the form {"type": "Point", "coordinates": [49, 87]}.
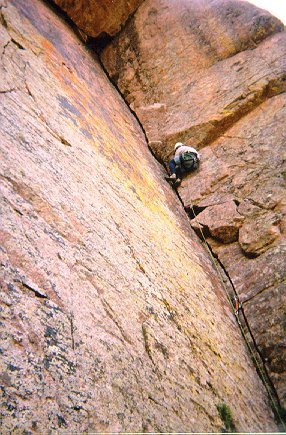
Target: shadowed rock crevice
{"type": "Point", "coordinates": [36, 291]}
{"type": "Point", "coordinates": [94, 47]}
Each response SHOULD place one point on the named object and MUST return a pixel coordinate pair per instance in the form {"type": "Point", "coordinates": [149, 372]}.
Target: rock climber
{"type": "Point", "coordinates": [186, 159]}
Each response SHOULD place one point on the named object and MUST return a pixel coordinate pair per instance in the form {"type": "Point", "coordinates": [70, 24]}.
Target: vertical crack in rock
{"type": "Point", "coordinates": [146, 342]}
{"type": "Point", "coordinates": [73, 328]}
{"type": "Point", "coordinates": [111, 314]}
{"type": "Point", "coordinates": [224, 94]}
{"type": "Point", "coordinates": [270, 89]}
{"type": "Point", "coordinates": [279, 86]}
{"type": "Point", "coordinates": [257, 357]}
{"type": "Point", "coordinates": [94, 47]}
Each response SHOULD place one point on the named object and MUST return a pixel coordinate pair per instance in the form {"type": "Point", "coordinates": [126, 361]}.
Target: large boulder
{"type": "Point", "coordinates": [99, 17]}
{"type": "Point", "coordinates": [221, 221]}
{"type": "Point", "coordinates": [212, 73]}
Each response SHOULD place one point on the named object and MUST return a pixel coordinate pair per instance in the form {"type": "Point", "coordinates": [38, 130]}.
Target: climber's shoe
{"type": "Point", "coordinates": [175, 182]}
{"type": "Point", "coordinates": [171, 178]}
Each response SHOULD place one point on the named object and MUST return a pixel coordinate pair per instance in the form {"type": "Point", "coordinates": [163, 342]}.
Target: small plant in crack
{"type": "Point", "coordinates": [226, 416]}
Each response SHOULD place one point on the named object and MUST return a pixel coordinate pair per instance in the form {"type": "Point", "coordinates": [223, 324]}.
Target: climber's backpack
{"type": "Point", "coordinates": [189, 161]}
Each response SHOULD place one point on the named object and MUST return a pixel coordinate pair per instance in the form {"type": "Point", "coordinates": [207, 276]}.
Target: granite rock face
{"type": "Point", "coordinates": [97, 17]}
{"type": "Point", "coordinates": [113, 318]}
{"type": "Point", "coordinates": [190, 69]}
{"type": "Point", "coordinates": [213, 74]}
{"type": "Point", "coordinates": [253, 157]}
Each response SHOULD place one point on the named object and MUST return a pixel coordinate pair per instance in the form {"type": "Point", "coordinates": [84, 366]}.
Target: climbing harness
{"type": "Point", "coordinates": [237, 308]}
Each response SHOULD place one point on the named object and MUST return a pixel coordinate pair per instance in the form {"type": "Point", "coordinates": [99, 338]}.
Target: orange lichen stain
{"type": "Point", "coordinates": [93, 114]}
{"type": "Point", "coordinates": [48, 48]}
{"type": "Point", "coordinates": [92, 109]}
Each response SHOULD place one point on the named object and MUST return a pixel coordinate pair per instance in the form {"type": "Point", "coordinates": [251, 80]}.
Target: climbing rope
{"type": "Point", "coordinates": [237, 307]}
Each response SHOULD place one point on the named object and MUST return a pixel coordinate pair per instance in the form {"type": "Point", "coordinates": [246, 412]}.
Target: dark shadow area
{"type": "Point", "coordinates": [194, 211]}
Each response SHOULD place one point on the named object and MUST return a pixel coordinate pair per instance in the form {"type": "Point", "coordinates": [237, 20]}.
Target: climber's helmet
{"type": "Point", "coordinates": [178, 145]}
